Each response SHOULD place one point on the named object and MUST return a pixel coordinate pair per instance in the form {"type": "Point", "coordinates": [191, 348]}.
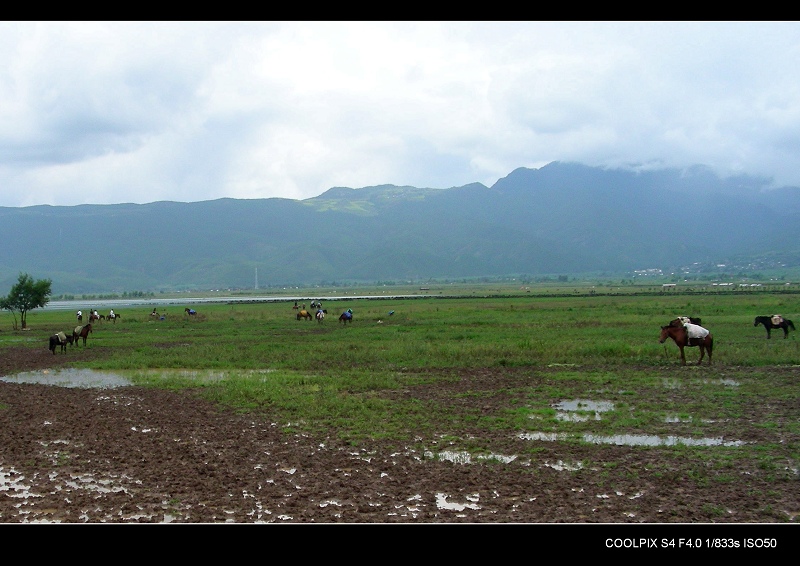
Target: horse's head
{"type": "Point", "coordinates": [755, 322]}
{"type": "Point", "coordinates": [667, 331]}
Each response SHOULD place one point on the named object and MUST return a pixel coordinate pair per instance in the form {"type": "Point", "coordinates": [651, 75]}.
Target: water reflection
{"type": "Point", "coordinates": [633, 439]}
{"type": "Point", "coordinates": [582, 410]}
{"type": "Point", "coordinates": [70, 377]}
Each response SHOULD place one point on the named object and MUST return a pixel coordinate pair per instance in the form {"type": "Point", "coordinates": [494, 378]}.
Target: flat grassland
{"type": "Point", "coordinates": [474, 409]}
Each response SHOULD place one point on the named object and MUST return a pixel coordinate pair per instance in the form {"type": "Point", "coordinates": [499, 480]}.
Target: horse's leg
{"type": "Point", "coordinates": [683, 356]}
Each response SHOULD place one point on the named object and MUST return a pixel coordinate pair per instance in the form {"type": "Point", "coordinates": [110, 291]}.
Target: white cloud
{"type": "Point", "coordinates": [107, 112]}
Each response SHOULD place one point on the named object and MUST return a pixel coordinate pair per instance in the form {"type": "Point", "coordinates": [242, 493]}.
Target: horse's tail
{"type": "Point", "coordinates": [790, 323]}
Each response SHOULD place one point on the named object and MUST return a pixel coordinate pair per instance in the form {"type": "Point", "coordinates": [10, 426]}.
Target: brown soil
{"type": "Point", "coordinates": [133, 454]}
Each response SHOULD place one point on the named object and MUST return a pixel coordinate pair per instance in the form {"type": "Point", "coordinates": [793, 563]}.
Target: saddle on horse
{"type": "Point", "coordinates": [777, 319]}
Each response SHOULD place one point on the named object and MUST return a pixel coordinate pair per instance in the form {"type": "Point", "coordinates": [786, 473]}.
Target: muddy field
{"type": "Point", "coordinates": [137, 455]}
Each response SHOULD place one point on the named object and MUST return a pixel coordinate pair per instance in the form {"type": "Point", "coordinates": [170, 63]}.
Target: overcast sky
{"type": "Point", "coordinates": [127, 112]}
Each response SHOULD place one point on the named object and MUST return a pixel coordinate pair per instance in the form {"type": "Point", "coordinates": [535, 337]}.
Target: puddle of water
{"type": "Point", "coordinates": [89, 378]}
{"type": "Point", "coordinates": [466, 457]}
{"type": "Point", "coordinates": [651, 440]}
{"type": "Point", "coordinates": [443, 503]}
{"type": "Point", "coordinates": [562, 466]}
{"type": "Point", "coordinates": [548, 436]}
{"type": "Point", "coordinates": [634, 439]}
{"type": "Point", "coordinates": [673, 419]}
{"type": "Point", "coordinates": [584, 405]}
{"type": "Point", "coordinates": [576, 418]}
{"type": "Point", "coordinates": [70, 377]}
{"type": "Point", "coordinates": [582, 410]}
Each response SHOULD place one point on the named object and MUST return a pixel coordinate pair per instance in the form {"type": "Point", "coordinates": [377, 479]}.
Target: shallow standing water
{"type": "Point", "coordinates": [70, 377]}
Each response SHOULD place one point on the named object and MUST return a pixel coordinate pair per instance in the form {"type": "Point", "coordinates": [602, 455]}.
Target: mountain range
{"type": "Point", "coordinates": [560, 219]}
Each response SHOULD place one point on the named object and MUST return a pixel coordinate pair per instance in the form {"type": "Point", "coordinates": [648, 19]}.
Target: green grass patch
{"type": "Point", "coordinates": [438, 367]}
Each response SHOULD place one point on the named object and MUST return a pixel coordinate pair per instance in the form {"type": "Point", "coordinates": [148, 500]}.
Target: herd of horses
{"type": "Point", "coordinates": [680, 330]}
{"type": "Point", "coordinates": [92, 317]}
{"type": "Point", "coordinates": [686, 332]}
{"type": "Point", "coordinates": [344, 318]}
{"type": "Point", "coordinates": [61, 339]}
{"type": "Point", "coordinates": [303, 314]}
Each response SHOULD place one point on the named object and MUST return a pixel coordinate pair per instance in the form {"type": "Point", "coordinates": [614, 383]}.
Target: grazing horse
{"type": "Point", "coordinates": [81, 332]}
{"type": "Point", "coordinates": [304, 314]}
{"type": "Point", "coordinates": [190, 312]}
{"type": "Point", "coordinates": [681, 335]}
{"type": "Point", "coordinates": [320, 315]}
{"type": "Point", "coordinates": [346, 316]}
{"type": "Point", "coordinates": [785, 324]}
{"type": "Point", "coordinates": [59, 339]}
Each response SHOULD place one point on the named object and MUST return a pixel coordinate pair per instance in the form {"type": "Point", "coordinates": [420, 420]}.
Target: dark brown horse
{"type": "Point", "coordinates": [60, 339]}
{"type": "Point", "coordinates": [784, 325]}
{"type": "Point", "coordinates": [680, 335]}
{"type": "Point", "coordinates": [81, 332]}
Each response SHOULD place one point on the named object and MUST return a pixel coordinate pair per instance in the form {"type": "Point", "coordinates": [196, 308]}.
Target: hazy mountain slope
{"type": "Point", "coordinates": [560, 219]}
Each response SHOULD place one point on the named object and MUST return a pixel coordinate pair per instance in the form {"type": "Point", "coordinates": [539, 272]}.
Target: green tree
{"type": "Point", "coordinates": [25, 295]}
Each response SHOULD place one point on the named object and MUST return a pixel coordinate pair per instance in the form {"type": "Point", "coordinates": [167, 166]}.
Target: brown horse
{"type": "Point", "coordinates": [304, 314]}
{"type": "Point", "coordinates": [681, 337]}
{"type": "Point", "coordinates": [81, 332]}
